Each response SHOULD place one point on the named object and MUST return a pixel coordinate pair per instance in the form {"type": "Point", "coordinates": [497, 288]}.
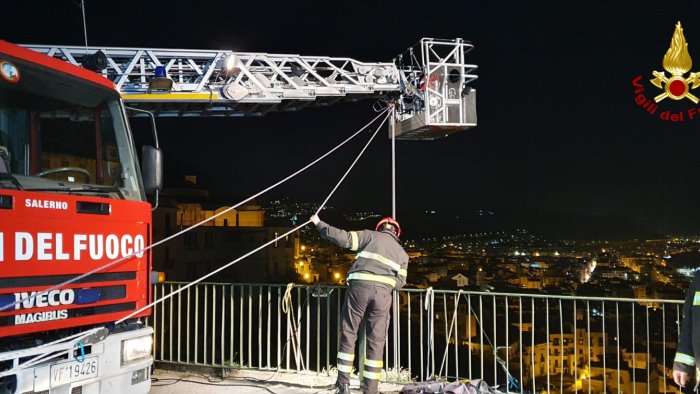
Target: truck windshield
{"type": "Point", "coordinates": [65, 135]}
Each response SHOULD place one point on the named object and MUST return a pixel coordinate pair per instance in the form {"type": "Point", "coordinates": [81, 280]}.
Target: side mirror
{"type": "Point", "coordinates": [152, 169]}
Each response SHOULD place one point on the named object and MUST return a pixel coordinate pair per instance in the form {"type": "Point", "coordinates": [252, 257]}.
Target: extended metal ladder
{"type": "Point", "coordinates": [185, 82]}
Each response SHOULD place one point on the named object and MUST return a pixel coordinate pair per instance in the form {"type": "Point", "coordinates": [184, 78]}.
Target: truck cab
{"type": "Point", "coordinates": [72, 200]}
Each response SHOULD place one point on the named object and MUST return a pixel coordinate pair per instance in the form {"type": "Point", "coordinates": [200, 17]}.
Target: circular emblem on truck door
{"type": "Point", "coordinates": [9, 72]}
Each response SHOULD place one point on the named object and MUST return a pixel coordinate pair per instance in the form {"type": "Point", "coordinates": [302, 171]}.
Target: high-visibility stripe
{"type": "Point", "coordinates": [381, 259]}
{"type": "Point", "coordinates": [371, 375]}
{"type": "Point", "coordinates": [696, 299]}
{"type": "Point", "coordinates": [346, 356]}
{"type": "Point", "coordinates": [345, 368]}
{"type": "Point", "coordinates": [403, 272]}
{"type": "Point", "coordinates": [355, 241]}
{"type": "Point", "coordinates": [373, 278]}
{"type": "Point", "coordinates": [685, 359]}
{"type": "Point", "coordinates": [374, 363]}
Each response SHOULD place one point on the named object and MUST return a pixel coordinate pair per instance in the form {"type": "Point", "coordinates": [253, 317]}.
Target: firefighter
{"type": "Point", "coordinates": [686, 364]}
{"type": "Point", "coordinates": [379, 268]}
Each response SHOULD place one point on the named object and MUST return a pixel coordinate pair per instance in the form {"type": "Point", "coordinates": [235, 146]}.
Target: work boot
{"type": "Point", "coordinates": [342, 388]}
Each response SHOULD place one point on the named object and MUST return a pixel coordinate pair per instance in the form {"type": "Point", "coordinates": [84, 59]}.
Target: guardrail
{"type": "Point", "coordinates": [522, 342]}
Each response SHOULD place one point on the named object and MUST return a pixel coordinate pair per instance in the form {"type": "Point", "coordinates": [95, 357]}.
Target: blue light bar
{"type": "Point", "coordinates": [87, 296]}
{"type": "Point", "coordinates": [160, 72]}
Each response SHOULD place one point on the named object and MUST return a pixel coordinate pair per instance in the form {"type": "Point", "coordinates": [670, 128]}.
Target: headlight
{"type": "Point", "coordinates": [136, 348]}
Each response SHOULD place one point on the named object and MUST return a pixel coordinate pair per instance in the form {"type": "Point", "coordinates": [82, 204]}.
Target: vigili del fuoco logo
{"type": "Point", "coordinates": [672, 84]}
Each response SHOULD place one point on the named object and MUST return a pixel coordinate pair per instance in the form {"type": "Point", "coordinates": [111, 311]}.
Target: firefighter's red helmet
{"type": "Point", "coordinates": [389, 224]}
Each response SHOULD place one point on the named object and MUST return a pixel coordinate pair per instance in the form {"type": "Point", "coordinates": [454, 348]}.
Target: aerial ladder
{"type": "Point", "coordinates": [429, 83]}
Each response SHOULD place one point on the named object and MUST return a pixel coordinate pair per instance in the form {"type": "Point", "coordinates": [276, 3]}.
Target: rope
{"type": "Point", "coordinates": [449, 334]}
{"type": "Point", "coordinates": [136, 312]}
{"type": "Point", "coordinates": [183, 231]}
{"type": "Point", "coordinates": [85, 334]}
{"type": "Point", "coordinates": [351, 165]}
{"type": "Point", "coordinates": [430, 307]}
{"type": "Point", "coordinates": [512, 382]}
{"type": "Point", "coordinates": [288, 309]}
{"type": "Point", "coordinates": [26, 352]}
{"type": "Point", "coordinates": [82, 7]}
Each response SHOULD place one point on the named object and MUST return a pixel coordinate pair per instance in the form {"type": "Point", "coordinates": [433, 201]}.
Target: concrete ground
{"type": "Point", "coordinates": [250, 381]}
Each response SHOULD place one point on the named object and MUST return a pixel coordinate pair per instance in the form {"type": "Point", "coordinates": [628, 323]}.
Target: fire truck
{"type": "Point", "coordinates": [75, 205]}
{"type": "Point", "coordinates": [72, 198]}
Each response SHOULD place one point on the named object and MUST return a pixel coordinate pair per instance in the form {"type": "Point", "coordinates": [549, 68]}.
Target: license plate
{"type": "Point", "coordinates": [73, 371]}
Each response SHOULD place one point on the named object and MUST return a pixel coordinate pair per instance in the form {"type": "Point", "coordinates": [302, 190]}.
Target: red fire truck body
{"type": "Point", "coordinates": [72, 200]}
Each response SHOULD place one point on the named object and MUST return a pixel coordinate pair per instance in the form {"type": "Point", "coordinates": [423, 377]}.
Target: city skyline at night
{"type": "Point", "coordinates": [549, 248]}
{"type": "Point", "coordinates": [562, 147]}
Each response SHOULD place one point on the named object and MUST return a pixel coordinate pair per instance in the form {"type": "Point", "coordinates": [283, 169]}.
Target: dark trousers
{"type": "Point", "coordinates": [370, 301]}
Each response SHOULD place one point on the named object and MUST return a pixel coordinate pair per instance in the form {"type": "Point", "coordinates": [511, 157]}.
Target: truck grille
{"type": "Point", "coordinates": [80, 312]}
{"type": "Point", "coordinates": [30, 281]}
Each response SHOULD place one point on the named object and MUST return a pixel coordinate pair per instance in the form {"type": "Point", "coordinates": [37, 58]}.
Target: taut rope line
{"type": "Point", "coordinates": [162, 241]}
{"type": "Point", "coordinates": [87, 333]}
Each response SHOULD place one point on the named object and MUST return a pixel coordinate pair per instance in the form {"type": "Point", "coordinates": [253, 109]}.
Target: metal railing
{"type": "Point", "coordinates": [522, 342]}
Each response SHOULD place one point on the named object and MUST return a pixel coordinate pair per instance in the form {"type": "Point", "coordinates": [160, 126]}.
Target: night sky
{"type": "Point", "coordinates": [561, 148]}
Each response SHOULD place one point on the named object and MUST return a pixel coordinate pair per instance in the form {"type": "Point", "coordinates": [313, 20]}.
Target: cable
{"type": "Point", "coordinates": [430, 307]}
{"type": "Point", "coordinates": [139, 253]}
{"type": "Point", "coordinates": [215, 384]}
{"type": "Point", "coordinates": [174, 381]}
{"type": "Point", "coordinates": [392, 115]}
{"type": "Point", "coordinates": [217, 381]}
{"type": "Point", "coordinates": [82, 7]}
{"type": "Point", "coordinates": [288, 309]}
{"type": "Point", "coordinates": [179, 290]}
{"type": "Point", "coordinates": [286, 306]}
{"type": "Point", "coordinates": [49, 355]}
{"type": "Point", "coordinates": [201, 278]}
{"type": "Point", "coordinates": [449, 334]}
{"type": "Point", "coordinates": [352, 165]}
{"type": "Point", "coordinates": [287, 294]}
{"type": "Point", "coordinates": [512, 381]}
{"type": "Point", "coordinates": [187, 286]}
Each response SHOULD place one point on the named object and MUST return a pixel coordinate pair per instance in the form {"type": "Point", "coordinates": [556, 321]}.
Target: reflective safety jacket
{"type": "Point", "coordinates": [688, 351]}
{"type": "Point", "coordinates": [380, 257]}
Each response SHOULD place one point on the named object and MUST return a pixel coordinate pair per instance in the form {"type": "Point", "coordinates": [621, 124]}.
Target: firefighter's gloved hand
{"type": "Point", "coordinates": [680, 377]}
{"type": "Point", "coordinates": [315, 219]}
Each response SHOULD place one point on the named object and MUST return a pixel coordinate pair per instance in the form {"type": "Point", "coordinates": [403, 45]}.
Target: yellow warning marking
{"type": "Point", "coordinates": [174, 96]}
